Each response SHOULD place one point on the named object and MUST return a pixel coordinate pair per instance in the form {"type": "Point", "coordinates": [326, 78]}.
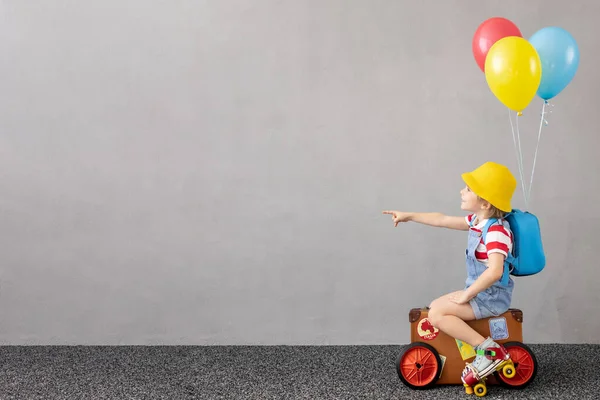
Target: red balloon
{"type": "Point", "coordinates": [488, 33]}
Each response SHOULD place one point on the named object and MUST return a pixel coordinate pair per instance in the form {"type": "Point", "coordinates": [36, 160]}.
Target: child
{"type": "Point", "coordinates": [487, 196]}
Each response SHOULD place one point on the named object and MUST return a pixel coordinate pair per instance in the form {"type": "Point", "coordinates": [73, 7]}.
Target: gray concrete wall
{"type": "Point", "coordinates": [194, 172]}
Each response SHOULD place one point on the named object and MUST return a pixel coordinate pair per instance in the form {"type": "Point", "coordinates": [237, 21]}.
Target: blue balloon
{"type": "Point", "coordinates": [559, 56]}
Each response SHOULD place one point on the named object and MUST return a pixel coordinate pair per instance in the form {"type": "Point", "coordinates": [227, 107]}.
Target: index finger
{"type": "Point", "coordinates": [387, 212]}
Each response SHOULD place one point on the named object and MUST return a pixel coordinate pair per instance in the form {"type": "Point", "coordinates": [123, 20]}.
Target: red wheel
{"type": "Point", "coordinates": [525, 366]}
{"type": "Point", "coordinates": [419, 366]}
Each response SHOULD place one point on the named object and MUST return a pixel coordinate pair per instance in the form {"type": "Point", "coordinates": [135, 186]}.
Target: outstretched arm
{"type": "Point", "coordinates": [432, 219]}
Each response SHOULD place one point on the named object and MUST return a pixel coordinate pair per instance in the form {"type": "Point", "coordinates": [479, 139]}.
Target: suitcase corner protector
{"type": "Point", "coordinates": [517, 314]}
{"type": "Point", "coordinates": [415, 314]}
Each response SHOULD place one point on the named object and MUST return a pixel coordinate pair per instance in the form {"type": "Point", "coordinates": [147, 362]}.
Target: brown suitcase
{"type": "Point", "coordinates": [419, 365]}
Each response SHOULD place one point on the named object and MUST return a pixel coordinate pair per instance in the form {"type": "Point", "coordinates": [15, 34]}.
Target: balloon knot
{"type": "Point", "coordinates": [520, 113]}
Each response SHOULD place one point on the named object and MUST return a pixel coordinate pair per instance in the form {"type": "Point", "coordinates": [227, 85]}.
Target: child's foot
{"type": "Point", "coordinates": [489, 356]}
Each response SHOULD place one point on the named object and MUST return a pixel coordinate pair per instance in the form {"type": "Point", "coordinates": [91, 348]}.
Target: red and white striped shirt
{"type": "Point", "coordinates": [499, 239]}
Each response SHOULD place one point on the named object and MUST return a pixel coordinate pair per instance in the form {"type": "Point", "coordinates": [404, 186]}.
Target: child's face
{"type": "Point", "coordinates": [470, 201]}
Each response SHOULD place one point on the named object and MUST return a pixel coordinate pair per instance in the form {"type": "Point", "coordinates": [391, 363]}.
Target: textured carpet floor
{"type": "Point", "coordinates": [345, 372]}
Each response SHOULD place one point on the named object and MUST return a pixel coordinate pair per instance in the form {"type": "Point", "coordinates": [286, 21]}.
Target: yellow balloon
{"type": "Point", "coordinates": [513, 71]}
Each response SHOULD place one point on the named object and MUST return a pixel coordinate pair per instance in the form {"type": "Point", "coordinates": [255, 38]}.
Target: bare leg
{"type": "Point", "coordinates": [450, 318]}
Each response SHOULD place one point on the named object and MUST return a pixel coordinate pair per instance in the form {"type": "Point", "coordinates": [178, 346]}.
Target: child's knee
{"type": "Point", "coordinates": [437, 302]}
{"type": "Point", "coordinates": [435, 314]}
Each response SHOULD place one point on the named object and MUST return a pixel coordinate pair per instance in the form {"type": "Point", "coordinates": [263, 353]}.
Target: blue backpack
{"type": "Point", "coordinates": [527, 256]}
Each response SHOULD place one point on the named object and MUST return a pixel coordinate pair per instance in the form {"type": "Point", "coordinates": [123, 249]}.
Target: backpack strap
{"type": "Point", "coordinates": [507, 260]}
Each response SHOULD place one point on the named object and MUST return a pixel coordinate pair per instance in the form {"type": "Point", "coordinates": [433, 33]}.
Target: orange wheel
{"type": "Point", "coordinates": [419, 366]}
{"type": "Point", "coordinates": [525, 366]}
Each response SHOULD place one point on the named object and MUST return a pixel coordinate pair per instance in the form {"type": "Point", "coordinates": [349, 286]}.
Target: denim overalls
{"type": "Point", "coordinates": [494, 300]}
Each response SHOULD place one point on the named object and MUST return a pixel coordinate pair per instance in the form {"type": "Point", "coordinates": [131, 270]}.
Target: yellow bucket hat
{"type": "Point", "coordinates": [492, 182]}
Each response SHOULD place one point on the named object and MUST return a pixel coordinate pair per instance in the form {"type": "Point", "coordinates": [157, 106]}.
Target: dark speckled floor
{"type": "Point", "coordinates": [278, 372]}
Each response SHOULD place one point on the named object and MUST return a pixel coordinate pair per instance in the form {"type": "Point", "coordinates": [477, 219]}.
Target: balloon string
{"type": "Point", "coordinates": [537, 146]}
{"type": "Point", "coordinates": [519, 158]}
